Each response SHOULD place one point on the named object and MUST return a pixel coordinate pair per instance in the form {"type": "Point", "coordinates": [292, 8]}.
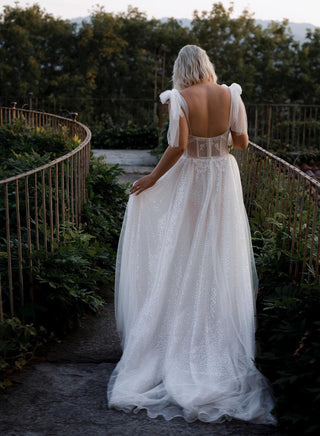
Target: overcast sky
{"type": "Point", "coordinates": [299, 11]}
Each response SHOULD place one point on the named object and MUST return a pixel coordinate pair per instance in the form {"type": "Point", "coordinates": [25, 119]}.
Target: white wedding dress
{"type": "Point", "coordinates": [186, 288]}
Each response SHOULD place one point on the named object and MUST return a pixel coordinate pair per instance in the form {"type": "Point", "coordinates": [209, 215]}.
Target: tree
{"type": "Point", "coordinates": [35, 52]}
{"type": "Point", "coordinates": [276, 64]}
{"type": "Point", "coordinates": [309, 65]}
{"type": "Point", "coordinates": [128, 56]}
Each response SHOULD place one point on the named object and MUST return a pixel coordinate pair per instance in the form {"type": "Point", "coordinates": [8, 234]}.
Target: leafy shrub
{"type": "Point", "coordinates": [67, 281]}
{"type": "Point", "coordinates": [19, 163]}
{"type": "Point", "coordinates": [271, 239]}
{"type": "Point", "coordinates": [18, 343]}
{"type": "Point", "coordinates": [289, 332]}
{"type": "Point", "coordinates": [23, 148]}
{"type": "Point", "coordinates": [163, 141]}
{"type": "Point", "coordinates": [129, 137]}
{"type": "Point", "coordinates": [288, 327]}
{"type": "Point", "coordinates": [105, 206]}
{"type": "Point", "coordinates": [298, 158]}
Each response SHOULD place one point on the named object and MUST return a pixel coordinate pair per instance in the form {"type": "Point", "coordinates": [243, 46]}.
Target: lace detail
{"type": "Point", "coordinates": [200, 147]}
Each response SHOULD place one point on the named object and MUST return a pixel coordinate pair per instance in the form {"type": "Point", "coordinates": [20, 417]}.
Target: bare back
{"type": "Point", "coordinates": [209, 109]}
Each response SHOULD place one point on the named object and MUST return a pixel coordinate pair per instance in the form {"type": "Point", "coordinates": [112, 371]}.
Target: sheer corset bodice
{"type": "Point", "coordinates": [201, 147]}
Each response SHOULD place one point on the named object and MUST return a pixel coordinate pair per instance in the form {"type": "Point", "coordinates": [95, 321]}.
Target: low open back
{"type": "Point", "coordinates": [205, 147]}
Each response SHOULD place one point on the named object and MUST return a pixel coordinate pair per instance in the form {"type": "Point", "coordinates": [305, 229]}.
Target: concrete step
{"type": "Point", "coordinates": [133, 169]}
{"type": "Point", "coordinates": [135, 163]}
{"type": "Point", "coordinates": [130, 177]}
{"type": "Point", "coordinates": [128, 158]}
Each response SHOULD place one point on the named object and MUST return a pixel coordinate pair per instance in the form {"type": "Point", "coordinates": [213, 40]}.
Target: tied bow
{"type": "Point", "coordinates": [175, 113]}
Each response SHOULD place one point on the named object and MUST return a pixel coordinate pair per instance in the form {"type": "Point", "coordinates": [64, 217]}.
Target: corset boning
{"type": "Point", "coordinates": [200, 147]}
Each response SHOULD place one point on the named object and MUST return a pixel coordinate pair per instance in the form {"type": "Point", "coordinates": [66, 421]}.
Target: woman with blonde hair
{"type": "Point", "coordinates": [186, 281]}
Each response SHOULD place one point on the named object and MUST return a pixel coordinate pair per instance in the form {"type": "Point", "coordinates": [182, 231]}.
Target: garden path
{"type": "Point", "coordinates": [135, 163]}
{"type": "Point", "coordinates": [63, 392]}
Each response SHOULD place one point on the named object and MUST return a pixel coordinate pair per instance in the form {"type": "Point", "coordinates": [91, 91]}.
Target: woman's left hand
{"type": "Point", "coordinates": [142, 184]}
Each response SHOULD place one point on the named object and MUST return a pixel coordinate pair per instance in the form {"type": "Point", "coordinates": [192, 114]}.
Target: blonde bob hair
{"type": "Point", "coordinates": [192, 66]}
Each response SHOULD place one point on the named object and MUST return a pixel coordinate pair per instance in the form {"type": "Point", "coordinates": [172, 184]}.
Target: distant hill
{"type": "Point", "coordinates": [78, 20]}
{"type": "Point", "coordinates": [299, 30]}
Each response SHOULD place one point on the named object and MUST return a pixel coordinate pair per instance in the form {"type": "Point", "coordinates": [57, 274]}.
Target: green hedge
{"type": "Point", "coordinates": [23, 148]}
{"type": "Point", "coordinates": [129, 137]}
{"type": "Point", "coordinates": [288, 330]}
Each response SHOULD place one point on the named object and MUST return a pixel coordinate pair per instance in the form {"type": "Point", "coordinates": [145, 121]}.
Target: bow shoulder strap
{"type": "Point", "coordinates": [176, 103]}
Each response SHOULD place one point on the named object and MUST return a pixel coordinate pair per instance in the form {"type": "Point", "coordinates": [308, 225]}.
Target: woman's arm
{"type": "Point", "coordinates": [168, 159]}
{"type": "Point", "coordinates": [240, 141]}
{"type": "Point", "coordinates": [239, 125]}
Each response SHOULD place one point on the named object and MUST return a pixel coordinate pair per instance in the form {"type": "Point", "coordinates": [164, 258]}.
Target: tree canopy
{"type": "Point", "coordinates": [127, 55]}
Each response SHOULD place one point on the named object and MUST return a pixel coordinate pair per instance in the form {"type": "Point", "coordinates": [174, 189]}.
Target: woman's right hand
{"type": "Point", "coordinates": [142, 184]}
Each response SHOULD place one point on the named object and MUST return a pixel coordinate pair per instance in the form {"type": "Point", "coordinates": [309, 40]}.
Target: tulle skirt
{"type": "Point", "coordinates": [185, 296]}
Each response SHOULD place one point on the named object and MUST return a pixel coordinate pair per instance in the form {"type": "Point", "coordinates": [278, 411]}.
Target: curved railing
{"type": "Point", "coordinates": [286, 199]}
{"type": "Point", "coordinates": [37, 203]}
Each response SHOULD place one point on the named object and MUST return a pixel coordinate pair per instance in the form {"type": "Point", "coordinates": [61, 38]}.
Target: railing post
{"type": "Point", "coordinates": [74, 116]}
{"type": "Point", "coordinates": [14, 107]}
{"type": "Point", "coordinates": [1, 307]}
{"type": "Point", "coordinates": [255, 123]}
{"type": "Point", "coordinates": [30, 95]}
{"type": "Point", "coordinates": [73, 125]}
{"type": "Point", "coordinates": [269, 126]}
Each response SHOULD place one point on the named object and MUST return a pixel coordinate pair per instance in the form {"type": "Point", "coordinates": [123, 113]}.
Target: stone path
{"type": "Point", "coordinates": [135, 163]}
{"type": "Point", "coordinates": [63, 392]}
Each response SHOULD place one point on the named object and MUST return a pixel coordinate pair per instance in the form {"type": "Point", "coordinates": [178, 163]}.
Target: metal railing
{"type": "Point", "coordinates": [285, 127]}
{"type": "Point", "coordinates": [36, 204]}
{"type": "Point", "coordinates": [113, 111]}
{"type": "Point", "coordinates": [290, 127]}
{"type": "Point", "coordinates": [285, 196]}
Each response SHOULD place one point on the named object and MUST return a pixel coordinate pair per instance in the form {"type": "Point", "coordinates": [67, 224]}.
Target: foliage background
{"type": "Point", "coordinates": [106, 69]}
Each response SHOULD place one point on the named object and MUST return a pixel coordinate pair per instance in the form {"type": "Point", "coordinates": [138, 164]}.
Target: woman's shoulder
{"type": "Point", "coordinates": [200, 89]}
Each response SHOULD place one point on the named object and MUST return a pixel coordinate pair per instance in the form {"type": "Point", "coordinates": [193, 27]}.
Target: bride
{"type": "Point", "coordinates": [186, 281]}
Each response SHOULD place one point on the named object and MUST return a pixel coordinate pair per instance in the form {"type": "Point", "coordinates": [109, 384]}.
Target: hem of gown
{"type": "Point", "coordinates": [223, 417]}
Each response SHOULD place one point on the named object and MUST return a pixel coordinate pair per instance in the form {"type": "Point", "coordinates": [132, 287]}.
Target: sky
{"type": "Point", "coordinates": [299, 11]}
